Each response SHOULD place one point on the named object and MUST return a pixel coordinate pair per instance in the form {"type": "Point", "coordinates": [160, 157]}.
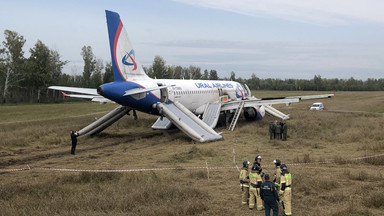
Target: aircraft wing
{"type": "Point", "coordinates": [309, 97]}
{"type": "Point", "coordinates": [86, 93]}
{"type": "Point", "coordinates": [257, 102]}
{"type": "Point", "coordinates": [268, 102]}
{"type": "Point", "coordinates": [304, 97]}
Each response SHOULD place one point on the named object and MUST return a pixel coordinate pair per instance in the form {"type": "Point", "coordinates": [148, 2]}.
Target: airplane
{"type": "Point", "coordinates": [193, 106]}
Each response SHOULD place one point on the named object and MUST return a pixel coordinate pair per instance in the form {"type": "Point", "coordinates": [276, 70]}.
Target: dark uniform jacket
{"type": "Point", "coordinates": [278, 128]}
{"type": "Point", "coordinates": [271, 127]}
{"type": "Point", "coordinates": [285, 128]}
{"type": "Point", "coordinates": [268, 192]}
{"type": "Point", "coordinates": [74, 137]}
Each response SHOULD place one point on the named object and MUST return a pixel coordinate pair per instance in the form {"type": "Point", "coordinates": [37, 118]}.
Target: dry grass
{"type": "Point", "coordinates": [37, 135]}
{"type": "Point", "coordinates": [104, 194]}
{"type": "Point", "coordinates": [193, 153]}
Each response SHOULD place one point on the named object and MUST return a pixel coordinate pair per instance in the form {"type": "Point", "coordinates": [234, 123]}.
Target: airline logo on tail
{"type": "Point", "coordinates": [130, 56]}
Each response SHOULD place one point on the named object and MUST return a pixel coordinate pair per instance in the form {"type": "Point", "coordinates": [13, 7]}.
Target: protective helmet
{"type": "Point", "coordinates": [283, 167]}
{"type": "Point", "coordinates": [256, 167]}
{"type": "Point", "coordinates": [258, 157]}
{"type": "Point", "coordinates": [246, 163]}
{"type": "Point", "coordinates": [277, 162]}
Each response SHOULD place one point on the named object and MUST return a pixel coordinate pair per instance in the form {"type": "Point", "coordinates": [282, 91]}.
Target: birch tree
{"type": "Point", "coordinates": [13, 59]}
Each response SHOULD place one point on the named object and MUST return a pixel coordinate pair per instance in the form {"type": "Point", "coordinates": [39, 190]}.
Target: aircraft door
{"type": "Point", "coordinates": [163, 94]}
{"type": "Point", "coordinates": [220, 92]}
{"type": "Point", "coordinates": [247, 91]}
{"type": "Point", "coordinates": [171, 93]}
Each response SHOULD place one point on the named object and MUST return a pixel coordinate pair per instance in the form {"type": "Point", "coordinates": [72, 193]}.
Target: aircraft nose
{"type": "Point", "coordinates": [100, 90]}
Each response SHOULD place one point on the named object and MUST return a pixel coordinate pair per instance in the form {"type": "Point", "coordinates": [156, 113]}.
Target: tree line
{"type": "Point", "coordinates": [160, 70]}
{"type": "Point", "coordinates": [27, 79]}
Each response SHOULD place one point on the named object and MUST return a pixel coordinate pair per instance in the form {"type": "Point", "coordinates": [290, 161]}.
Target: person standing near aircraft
{"type": "Point", "coordinates": [74, 135]}
{"type": "Point", "coordinates": [269, 196]}
{"type": "Point", "coordinates": [278, 130]}
{"type": "Point", "coordinates": [244, 183]}
{"type": "Point", "coordinates": [255, 182]}
{"type": "Point", "coordinates": [271, 131]}
{"type": "Point", "coordinates": [274, 129]}
{"type": "Point", "coordinates": [277, 175]}
{"type": "Point", "coordinates": [285, 129]}
{"type": "Point", "coordinates": [285, 190]}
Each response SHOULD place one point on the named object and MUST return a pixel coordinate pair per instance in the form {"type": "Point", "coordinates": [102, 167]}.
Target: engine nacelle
{"type": "Point", "coordinates": [254, 113]}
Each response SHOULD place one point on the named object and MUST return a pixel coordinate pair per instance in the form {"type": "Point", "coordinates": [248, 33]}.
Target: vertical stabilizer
{"type": "Point", "coordinates": [124, 63]}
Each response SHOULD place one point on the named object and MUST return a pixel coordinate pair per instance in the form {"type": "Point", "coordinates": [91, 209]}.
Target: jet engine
{"type": "Point", "coordinates": [254, 113]}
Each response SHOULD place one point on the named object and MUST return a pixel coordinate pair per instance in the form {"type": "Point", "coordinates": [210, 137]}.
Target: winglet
{"type": "Point", "coordinates": [64, 95]}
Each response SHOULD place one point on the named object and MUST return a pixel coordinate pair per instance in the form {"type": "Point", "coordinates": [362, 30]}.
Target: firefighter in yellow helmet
{"type": "Point", "coordinates": [255, 182]}
{"type": "Point", "coordinates": [285, 189]}
{"type": "Point", "coordinates": [244, 183]}
{"type": "Point", "coordinates": [277, 175]}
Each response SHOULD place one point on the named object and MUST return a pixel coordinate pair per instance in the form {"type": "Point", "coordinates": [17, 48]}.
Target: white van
{"type": "Point", "coordinates": [317, 106]}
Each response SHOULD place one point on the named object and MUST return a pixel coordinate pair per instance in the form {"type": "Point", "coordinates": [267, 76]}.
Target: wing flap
{"type": "Point", "coordinates": [257, 102]}
{"type": "Point", "coordinates": [309, 97]}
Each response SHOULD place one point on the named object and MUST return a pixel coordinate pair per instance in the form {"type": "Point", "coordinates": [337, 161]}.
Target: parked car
{"type": "Point", "coordinates": [317, 106]}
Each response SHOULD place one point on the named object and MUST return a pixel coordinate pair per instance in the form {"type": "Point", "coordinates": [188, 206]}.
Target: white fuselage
{"type": "Point", "coordinates": [195, 94]}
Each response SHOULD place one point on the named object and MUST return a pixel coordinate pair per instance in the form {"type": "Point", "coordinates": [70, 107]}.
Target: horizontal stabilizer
{"type": "Point", "coordinates": [87, 91]}
{"type": "Point", "coordinates": [143, 90]}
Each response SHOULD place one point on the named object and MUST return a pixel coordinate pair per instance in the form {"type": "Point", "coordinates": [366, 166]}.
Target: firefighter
{"type": "Point", "coordinates": [269, 196]}
{"type": "Point", "coordinates": [277, 175]}
{"type": "Point", "coordinates": [244, 183]}
{"type": "Point", "coordinates": [284, 129]}
{"type": "Point", "coordinates": [258, 162]}
{"type": "Point", "coordinates": [255, 182]}
{"type": "Point", "coordinates": [278, 130]}
{"type": "Point", "coordinates": [285, 189]}
{"type": "Point", "coordinates": [271, 131]}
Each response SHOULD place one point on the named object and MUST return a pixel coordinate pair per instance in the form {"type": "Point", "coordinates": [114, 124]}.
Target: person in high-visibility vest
{"type": "Point", "coordinates": [255, 182]}
{"type": "Point", "coordinates": [277, 175]}
{"type": "Point", "coordinates": [244, 183]}
{"type": "Point", "coordinates": [285, 189]}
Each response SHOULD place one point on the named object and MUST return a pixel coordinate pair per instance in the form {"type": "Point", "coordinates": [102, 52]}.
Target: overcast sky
{"type": "Point", "coordinates": [270, 38]}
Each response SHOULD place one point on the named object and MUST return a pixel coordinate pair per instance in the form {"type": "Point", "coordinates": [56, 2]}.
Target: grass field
{"type": "Point", "coordinates": [38, 136]}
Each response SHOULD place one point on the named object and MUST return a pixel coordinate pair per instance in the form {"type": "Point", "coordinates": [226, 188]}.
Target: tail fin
{"type": "Point", "coordinates": [125, 66]}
